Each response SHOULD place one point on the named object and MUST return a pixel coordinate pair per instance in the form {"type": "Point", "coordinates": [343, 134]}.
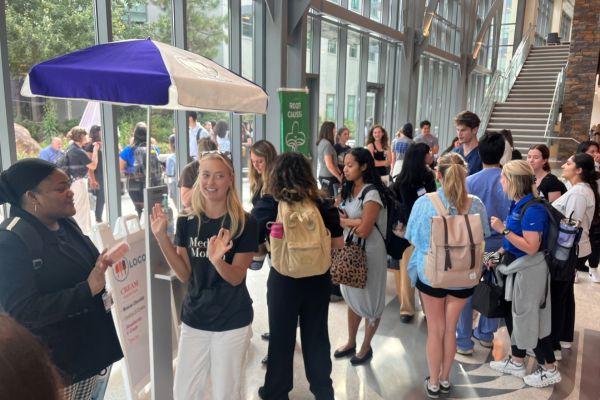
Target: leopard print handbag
{"type": "Point", "coordinates": [349, 264]}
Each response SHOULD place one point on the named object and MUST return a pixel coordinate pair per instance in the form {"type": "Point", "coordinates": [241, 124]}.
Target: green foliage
{"type": "Point", "coordinates": [38, 30]}
{"type": "Point", "coordinates": [50, 120]}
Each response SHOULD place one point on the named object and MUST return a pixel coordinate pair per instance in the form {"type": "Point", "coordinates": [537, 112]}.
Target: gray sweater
{"type": "Point", "coordinates": [527, 287]}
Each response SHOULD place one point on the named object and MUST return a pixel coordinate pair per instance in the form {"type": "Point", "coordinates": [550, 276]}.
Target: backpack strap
{"type": "Point", "coordinates": [366, 190]}
{"type": "Point", "coordinates": [29, 236]}
{"type": "Point", "coordinates": [439, 206]}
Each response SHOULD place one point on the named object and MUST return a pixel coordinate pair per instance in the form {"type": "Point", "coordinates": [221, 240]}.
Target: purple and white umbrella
{"type": "Point", "coordinates": [146, 73]}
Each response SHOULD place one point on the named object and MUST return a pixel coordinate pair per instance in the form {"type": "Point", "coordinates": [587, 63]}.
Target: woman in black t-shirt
{"type": "Point", "coordinates": [214, 245]}
{"type": "Point", "coordinates": [340, 146]}
{"type": "Point", "coordinates": [548, 185]}
{"type": "Point", "coordinates": [297, 299]}
{"type": "Point", "coordinates": [415, 180]}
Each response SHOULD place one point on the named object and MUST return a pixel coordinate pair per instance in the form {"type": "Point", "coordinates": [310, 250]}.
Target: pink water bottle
{"type": "Point", "coordinates": [276, 229]}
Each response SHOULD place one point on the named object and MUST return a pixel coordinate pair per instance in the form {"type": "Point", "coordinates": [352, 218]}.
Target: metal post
{"type": "Point", "coordinates": [260, 121]}
{"type": "Point", "coordinates": [179, 39]}
{"type": "Point", "coordinates": [8, 151]}
{"type": "Point", "coordinates": [110, 139]}
{"type": "Point", "coordinates": [235, 63]}
{"type": "Point", "coordinates": [148, 147]}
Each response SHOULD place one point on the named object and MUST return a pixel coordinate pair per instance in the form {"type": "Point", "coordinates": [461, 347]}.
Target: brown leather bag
{"type": "Point", "coordinates": [456, 246]}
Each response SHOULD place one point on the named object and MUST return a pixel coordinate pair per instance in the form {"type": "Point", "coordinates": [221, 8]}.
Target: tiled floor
{"type": "Point", "coordinates": [399, 366]}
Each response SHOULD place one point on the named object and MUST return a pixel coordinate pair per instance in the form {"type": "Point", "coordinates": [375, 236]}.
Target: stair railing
{"type": "Point", "coordinates": [557, 99]}
{"type": "Point", "coordinates": [503, 81]}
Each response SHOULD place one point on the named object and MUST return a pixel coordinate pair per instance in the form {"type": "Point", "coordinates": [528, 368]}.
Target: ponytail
{"type": "Point", "coordinates": [454, 173]}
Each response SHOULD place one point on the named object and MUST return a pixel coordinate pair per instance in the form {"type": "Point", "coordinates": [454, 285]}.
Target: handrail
{"type": "Point", "coordinates": [556, 102]}
{"type": "Point", "coordinates": [502, 82]}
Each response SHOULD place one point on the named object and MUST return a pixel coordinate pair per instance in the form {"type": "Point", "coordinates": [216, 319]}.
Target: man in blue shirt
{"type": "Point", "coordinates": [195, 132]}
{"type": "Point", "coordinates": [467, 126]}
{"type": "Point", "coordinates": [53, 151]}
{"type": "Point", "coordinates": [486, 185]}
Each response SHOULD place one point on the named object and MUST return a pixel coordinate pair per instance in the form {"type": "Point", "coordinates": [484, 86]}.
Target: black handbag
{"type": "Point", "coordinates": [488, 297]}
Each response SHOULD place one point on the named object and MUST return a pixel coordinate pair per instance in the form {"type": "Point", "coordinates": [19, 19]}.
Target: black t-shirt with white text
{"type": "Point", "coordinates": [212, 304]}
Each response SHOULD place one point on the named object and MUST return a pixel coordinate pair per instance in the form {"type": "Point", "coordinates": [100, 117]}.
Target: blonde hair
{"type": "Point", "coordinates": [266, 150]}
{"type": "Point", "coordinates": [521, 182]}
{"type": "Point", "coordinates": [453, 169]}
{"type": "Point", "coordinates": [76, 134]}
{"type": "Point", "coordinates": [235, 210]}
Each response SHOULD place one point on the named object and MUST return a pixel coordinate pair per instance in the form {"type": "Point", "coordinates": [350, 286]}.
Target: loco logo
{"type": "Point", "coordinates": [121, 268]}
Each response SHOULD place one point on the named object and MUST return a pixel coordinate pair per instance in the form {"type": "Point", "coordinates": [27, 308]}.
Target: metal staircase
{"type": "Point", "coordinates": [527, 96]}
{"type": "Point", "coordinates": [528, 105]}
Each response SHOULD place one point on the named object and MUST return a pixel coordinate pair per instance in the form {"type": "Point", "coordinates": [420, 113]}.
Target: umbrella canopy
{"type": "Point", "coordinates": [146, 73]}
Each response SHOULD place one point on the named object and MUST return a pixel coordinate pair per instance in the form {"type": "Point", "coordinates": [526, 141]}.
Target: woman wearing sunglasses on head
{"type": "Point", "coordinates": [214, 244]}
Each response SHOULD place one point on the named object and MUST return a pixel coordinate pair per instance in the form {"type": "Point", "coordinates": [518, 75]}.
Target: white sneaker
{"type": "Point", "coordinates": [542, 377]}
{"type": "Point", "coordinates": [595, 275]}
{"type": "Point", "coordinates": [508, 367]}
{"type": "Point", "coordinates": [558, 355]}
{"type": "Point", "coordinates": [565, 345]}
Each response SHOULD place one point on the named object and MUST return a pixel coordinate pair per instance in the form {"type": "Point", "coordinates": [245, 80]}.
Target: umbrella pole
{"type": "Point", "coordinates": [148, 146]}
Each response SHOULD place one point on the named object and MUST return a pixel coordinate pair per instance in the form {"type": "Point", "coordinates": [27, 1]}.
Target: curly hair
{"type": "Point", "coordinates": [291, 179]}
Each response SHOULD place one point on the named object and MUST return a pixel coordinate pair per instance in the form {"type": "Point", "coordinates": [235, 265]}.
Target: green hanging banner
{"type": "Point", "coordinates": [295, 129]}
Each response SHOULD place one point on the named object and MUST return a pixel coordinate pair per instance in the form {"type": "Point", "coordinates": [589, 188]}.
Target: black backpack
{"type": "Point", "coordinates": [139, 165]}
{"type": "Point", "coordinates": [561, 261]}
{"type": "Point", "coordinates": [394, 245]}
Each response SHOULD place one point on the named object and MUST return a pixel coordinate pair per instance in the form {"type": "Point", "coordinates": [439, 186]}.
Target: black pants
{"type": "Point", "coordinates": [136, 193]}
{"type": "Point", "coordinates": [99, 193]}
{"type": "Point", "coordinates": [306, 299]}
{"type": "Point", "coordinates": [563, 308]}
{"type": "Point", "coordinates": [543, 351]}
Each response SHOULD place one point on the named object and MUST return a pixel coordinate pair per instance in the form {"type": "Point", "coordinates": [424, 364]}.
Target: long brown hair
{"type": "Point", "coordinates": [266, 150]}
{"type": "Point", "coordinates": [327, 132]}
{"type": "Point", "coordinates": [453, 169]}
{"type": "Point", "coordinates": [384, 138]}
{"type": "Point", "coordinates": [26, 371]}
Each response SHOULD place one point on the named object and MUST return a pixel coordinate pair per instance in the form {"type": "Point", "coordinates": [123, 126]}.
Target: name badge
{"type": "Point", "coordinates": [421, 192]}
{"type": "Point", "coordinates": [107, 299]}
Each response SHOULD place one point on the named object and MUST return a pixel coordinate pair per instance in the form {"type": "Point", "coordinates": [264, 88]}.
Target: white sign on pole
{"type": "Point", "coordinates": [128, 285]}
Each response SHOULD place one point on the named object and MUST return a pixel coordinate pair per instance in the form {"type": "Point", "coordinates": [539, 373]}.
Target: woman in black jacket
{"type": "Point", "coordinates": [415, 179]}
{"type": "Point", "coordinates": [52, 277]}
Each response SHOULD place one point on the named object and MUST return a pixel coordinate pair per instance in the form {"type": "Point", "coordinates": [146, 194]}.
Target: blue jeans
{"type": "Point", "coordinates": [484, 330]}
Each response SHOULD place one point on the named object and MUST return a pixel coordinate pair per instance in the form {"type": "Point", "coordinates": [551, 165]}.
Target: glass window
{"type": "Point", "coordinates": [247, 39]}
{"type": "Point", "coordinates": [158, 27]}
{"type": "Point", "coordinates": [352, 83]}
{"type": "Point", "coordinates": [208, 29]}
{"type": "Point", "coordinates": [328, 73]}
{"type": "Point", "coordinates": [309, 44]}
{"type": "Point", "coordinates": [330, 107]}
{"type": "Point", "coordinates": [373, 65]}
{"type": "Point", "coordinates": [332, 46]}
{"type": "Point", "coordinates": [356, 5]}
{"type": "Point", "coordinates": [376, 10]}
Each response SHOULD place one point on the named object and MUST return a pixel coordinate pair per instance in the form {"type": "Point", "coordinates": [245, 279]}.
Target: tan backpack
{"type": "Point", "coordinates": [305, 249]}
{"type": "Point", "coordinates": [456, 245]}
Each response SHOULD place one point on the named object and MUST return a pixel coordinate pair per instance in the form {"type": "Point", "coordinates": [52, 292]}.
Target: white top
{"type": "Point", "coordinates": [580, 201]}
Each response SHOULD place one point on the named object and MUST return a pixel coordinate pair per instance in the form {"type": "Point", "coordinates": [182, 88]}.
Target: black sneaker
{"type": "Point", "coordinates": [445, 386]}
{"type": "Point", "coordinates": [432, 394]}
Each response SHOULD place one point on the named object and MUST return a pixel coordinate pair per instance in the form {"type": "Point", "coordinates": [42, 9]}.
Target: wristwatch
{"type": "Point", "coordinates": [506, 231]}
